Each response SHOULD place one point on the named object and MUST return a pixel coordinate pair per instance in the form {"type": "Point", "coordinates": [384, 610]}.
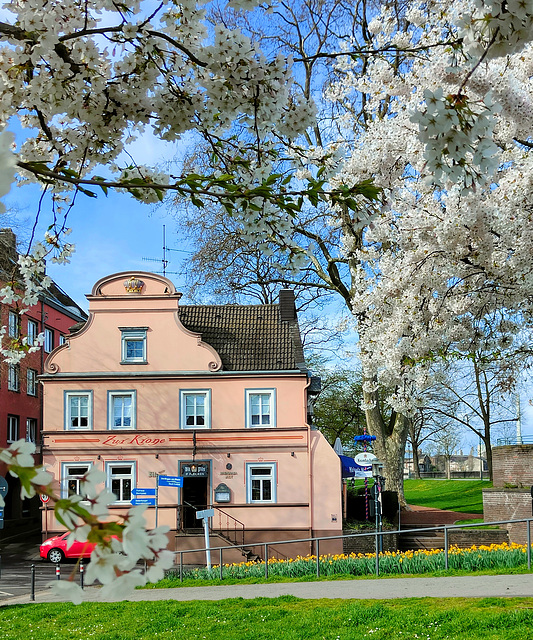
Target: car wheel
{"type": "Point", "coordinates": [56, 556]}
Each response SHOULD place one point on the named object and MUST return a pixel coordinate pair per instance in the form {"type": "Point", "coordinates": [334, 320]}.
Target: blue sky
{"type": "Point", "coordinates": [111, 233]}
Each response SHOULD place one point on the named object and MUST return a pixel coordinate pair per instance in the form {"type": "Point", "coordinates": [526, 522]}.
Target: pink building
{"type": "Point", "coordinates": [217, 395]}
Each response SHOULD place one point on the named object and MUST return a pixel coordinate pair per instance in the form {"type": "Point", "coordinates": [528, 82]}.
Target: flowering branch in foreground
{"type": "Point", "coordinates": [120, 543]}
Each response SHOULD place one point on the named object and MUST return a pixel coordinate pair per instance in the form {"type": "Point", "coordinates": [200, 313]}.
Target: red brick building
{"type": "Point", "coordinates": [20, 392]}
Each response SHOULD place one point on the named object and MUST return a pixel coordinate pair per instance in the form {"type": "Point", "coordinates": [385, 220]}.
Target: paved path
{"type": "Point", "coordinates": [383, 588]}
{"type": "Point", "coordinates": [428, 517]}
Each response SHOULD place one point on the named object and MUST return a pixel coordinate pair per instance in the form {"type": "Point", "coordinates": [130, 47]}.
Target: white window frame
{"type": "Point", "coordinates": [249, 395]}
{"type": "Point", "coordinates": [13, 428]}
{"type": "Point", "coordinates": [14, 324]}
{"type": "Point", "coordinates": [62, 339]}
{"type": "Point", "coordinates": [111, 396]}
{"type": "Point", "coordinates": [31, 382]}
{"type": "Point", "coordinates": [133, 334]}
{"type": "Point", "coordinates": [194, 393]}
{"type": "Point", "coordinates": [67, 476]}
{"type": "Point", "coordinates": [68, 416]}
{"type": "Point", "coordinates": [33, 332]}
{"type": "Point", "coordinates": [13, 377]}
{"type": "Point", "coordinates": [48, 340]}
{"type": "Point", "coordinates": [128, 475]}
{"type": "Point", "coordinates": [272, 477]}
{"type": "Point", "coordinates": [31, 426]}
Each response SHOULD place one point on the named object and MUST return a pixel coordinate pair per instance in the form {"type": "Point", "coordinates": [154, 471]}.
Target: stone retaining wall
{"type": "Point", "coordinates": [508, 504]}
{"type": "Point", "coordinates": [466, 538]}
{"type": "Point", "coordinates": [512, 466]}
{"type": "Point", "coordinates": [366, 544]}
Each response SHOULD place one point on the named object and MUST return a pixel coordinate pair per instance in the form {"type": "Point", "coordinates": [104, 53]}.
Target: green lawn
{"type": "Point", "coordinates": [455, 495]}
{"type": "Point", "coordinates": [287, 617]}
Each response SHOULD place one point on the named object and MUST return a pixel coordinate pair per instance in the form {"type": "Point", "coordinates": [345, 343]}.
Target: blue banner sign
{"type": "Point", "coordinates": [170, 481]}
{"type": "Point", "coordinates": [149, 501]}
{"type": "Point", "coordinates": [143, 492]}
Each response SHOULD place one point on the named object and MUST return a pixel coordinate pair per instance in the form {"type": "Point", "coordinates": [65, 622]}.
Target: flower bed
{"type": "Point", "coordinates": [476, 558]}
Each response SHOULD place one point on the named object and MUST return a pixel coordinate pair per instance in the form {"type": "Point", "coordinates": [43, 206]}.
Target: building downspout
{"type": "Point", "coordinates": [41, 403]}
{"type": "Point", "coordinates": [310, 469]}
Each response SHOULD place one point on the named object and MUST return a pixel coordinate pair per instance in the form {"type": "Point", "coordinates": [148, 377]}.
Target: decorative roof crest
{"type": "Point", "coordinates": [133, 285]}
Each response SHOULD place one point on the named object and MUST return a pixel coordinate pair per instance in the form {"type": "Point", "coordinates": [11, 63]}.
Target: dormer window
{"type": "Point", "coordinates": [133, 345]}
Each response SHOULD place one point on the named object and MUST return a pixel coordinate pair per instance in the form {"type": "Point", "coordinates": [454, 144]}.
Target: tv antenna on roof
{"type": "Point", "coordinates": [164, 260]}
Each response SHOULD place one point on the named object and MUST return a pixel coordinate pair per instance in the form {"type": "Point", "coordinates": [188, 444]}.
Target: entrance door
{"type": "Point", "coordinates": [194, 494]}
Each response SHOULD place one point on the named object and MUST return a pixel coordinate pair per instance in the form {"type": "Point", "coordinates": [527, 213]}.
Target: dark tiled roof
{"type": "Point", "coordinates": [247, 338]}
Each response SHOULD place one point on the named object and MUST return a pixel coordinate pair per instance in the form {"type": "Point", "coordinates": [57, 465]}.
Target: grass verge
{"type": "Point", "coordinates": [465, 496]}
{"type": "Point", "coordinates": [286, 617]}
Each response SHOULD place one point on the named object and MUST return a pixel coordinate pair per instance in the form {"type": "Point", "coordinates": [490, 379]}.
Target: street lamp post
{"type": "Point", "coordinates": [379, 484]}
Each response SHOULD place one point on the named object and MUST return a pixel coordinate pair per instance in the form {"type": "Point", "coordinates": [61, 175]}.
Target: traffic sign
{"type": "Point", "coordinates": [170, 481]}
{"type": "Point", "coordinates": [206, 513]}
{"type": "Point", "coordinates": [143, 492]}
{"type": "Point", "coordinates": [44, 498]}
{"type": "Point", "coordinates": [3, 486]}
{"type": "Point", "coordinates": [149, 501]}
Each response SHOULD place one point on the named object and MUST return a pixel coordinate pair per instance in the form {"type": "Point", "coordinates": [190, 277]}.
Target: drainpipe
{"type": "Point", "coordinates": [310, 468]}
{"type": "Point", "coordinates": [41, 389]}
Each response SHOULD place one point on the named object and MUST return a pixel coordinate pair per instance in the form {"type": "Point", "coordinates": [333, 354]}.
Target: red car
{"type": "Point", "coordinates": [55, 549]}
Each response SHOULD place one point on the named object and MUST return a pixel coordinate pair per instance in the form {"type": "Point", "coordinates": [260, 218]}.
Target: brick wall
{"type": "Point", "coordinates": [366, 544]}
{"type": "Point", "coordinates": [466, 538]}
{"type": "Point", "coordinates": [508, 504]}
{"type": "Point", "coordinates": [512, 465]}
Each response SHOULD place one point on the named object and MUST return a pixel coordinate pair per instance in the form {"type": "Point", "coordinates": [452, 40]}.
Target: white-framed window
{"type": "Point", "coordinates": [13, 377]}
{"type": "Point", "coordinates": [33, 331]}
{"type": "Point", "coordinates": [12, 428]}
{"type": "Point", "coordinates": [261, 482]}
{"type": "Point", "coordinates": [31, 430]}
{"type": "Point", "coordinates": [195, 409]}
{"type": "Point", "coordinates": [48, 340]}
{"type": "Point", "coordinates": [62, 339]}
{"type": "Point", "coordinates": [14, 324]}
{"type": "Point", "coordinates": [78, 409]}
{"type": "Point", "coordinates": [31, 382]}
{"type": "Point", "coordinates": [71, 475]}
{"type": "Point", "coordinates": [133, 345]}
{"type": "Point", "coordinates": [121, 479]}
{"type": "Point", "coordinates": [260, 408]}
{"type": "Point", "coordinates": [121, 409]}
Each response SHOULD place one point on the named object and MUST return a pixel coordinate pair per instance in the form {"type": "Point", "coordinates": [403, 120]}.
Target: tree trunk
{"type": "Point", "coordinates": [414, 444]}
{"type": "Point", "coordinates": [389, 446]}
{"type": "Point", "coordinates": [488, 453]}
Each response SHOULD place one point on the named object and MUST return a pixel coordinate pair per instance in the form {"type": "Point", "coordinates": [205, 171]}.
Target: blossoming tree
{"type": "Point", "coordinates": [432, 105]}
{"type": "Point", "coordinates": [432, 102]}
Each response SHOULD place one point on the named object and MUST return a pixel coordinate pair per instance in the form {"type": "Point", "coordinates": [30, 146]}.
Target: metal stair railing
{"type": "Point", "coordinates": [230, 528]}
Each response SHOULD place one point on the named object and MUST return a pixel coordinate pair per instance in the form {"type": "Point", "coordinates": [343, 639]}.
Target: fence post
{"type": "Point", "coordinates": [266, 560]}
{"type": "Point", "coordinates": [220, 565]}
{"type": "Point", "coordinates": [445, 547]}
{"type": "Point", "coordinates": [181, 566]}
{"type": "Point", "coordinates": [32, 595]}
{"type": "Point", "coordinates": [377, 554]}
{"type": "Point", "coordinates": [58, 571]}
{"type": "Point", "coordinates": [529, 545]}
{"type": "Point", "coordinates": [317, 558]}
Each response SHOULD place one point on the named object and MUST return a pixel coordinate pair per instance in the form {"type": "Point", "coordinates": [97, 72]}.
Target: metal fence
{"type": "Point", "coordinates": [180, 564]}
{"type": "Point", "coordinates": [377, 535]}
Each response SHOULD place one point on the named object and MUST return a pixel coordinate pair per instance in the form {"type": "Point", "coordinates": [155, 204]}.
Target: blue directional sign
{"type": "Point", "coordinates": [143, 492]}
{"type": "Point", "coordinates": [170, 481]}
{"type": "Point", "coordinates": [149, 501]}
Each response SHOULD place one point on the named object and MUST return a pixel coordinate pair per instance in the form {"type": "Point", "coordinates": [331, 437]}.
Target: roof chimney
{"type": "Point", "coordinates": [8, 250]}
{"type": "Point", "coordinates": [287, 307]}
